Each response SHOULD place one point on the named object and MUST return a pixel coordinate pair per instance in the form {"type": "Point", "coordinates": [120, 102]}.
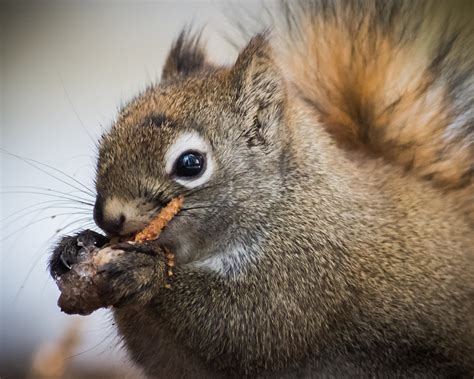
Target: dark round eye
{"type": "Point", "coordinates": [189, 164]}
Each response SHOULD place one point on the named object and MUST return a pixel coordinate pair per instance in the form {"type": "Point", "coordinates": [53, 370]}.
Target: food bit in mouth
{"type": "Point", "coordinates": [153, 229]}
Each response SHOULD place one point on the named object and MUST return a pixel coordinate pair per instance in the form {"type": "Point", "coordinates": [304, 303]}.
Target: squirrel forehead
{"type": "Point", "coordinates": [181, 102]}
{"type": "Point", "coordinates": [150, 124]}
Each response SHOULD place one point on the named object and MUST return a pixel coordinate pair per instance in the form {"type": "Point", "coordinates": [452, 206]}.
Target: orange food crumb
{"type": "Point", "coordinates": [153, 229]}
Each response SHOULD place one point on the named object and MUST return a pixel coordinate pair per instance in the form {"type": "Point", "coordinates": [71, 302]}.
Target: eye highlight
{"type": "Point", "coordinates": [189, 160]}
{"type": "Point", "coordinates": [189, 164]}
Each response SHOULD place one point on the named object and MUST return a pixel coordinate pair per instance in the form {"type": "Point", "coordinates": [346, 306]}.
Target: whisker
{"type": "Point", "coordinates": [204, 207]}
{"type": "Point", "coordinates": [189, 215]}
{"type": "Point", "coordinates": [75, 111]}
{"type": "Point", "coordinates": [46, 250]}
{"type": "Point", "coordinates": [108, 336]}
{"type": "Point", "coordinates": [30, 270]}
{"type": "Point", "coordinates": [41, 203]}
{"type": "Point", "coordinates": [82, 220]}
{"type": "Point", "coordinates": [157, 194]}
{"type": "Point", "coordinates": [34, 163]}
{"type": "Point", "coordinates": [85, 202]}
{"type": "Point", "coordinates": [46, 189]}
{"type": "Point", "coordinates": [40, 220]}
{"type": "Point", "coordinates": [37, 210]}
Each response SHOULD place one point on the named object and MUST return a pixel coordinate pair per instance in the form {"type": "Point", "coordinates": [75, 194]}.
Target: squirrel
{"type": "Point", "coordinates": [328, 222]}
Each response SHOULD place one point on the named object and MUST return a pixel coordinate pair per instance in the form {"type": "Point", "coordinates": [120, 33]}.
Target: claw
{"type": "Point", "coordinates": [64, 261]}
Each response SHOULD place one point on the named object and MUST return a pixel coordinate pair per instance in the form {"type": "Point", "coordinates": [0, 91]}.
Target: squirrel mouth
{"type": "Point", "coordinates": [153, 230]}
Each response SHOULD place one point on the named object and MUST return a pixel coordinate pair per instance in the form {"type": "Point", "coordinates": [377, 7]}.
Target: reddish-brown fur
{"type": "Point", "coordinates": [334, 237]}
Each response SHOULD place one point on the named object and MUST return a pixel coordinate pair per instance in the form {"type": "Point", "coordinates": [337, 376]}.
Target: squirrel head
{"type": "Point", "coordinates": [212, 134]}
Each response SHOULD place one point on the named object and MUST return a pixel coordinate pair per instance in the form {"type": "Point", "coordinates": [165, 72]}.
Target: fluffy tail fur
{"type": "Point", "coordinates": [394, 79]}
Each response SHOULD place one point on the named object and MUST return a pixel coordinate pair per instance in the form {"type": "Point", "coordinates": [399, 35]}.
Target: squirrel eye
{"type": "Point", "coordinates": [189, 164]}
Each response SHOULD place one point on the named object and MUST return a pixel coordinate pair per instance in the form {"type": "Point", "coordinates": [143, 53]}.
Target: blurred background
{"type": "Point", "coordinates": [65, 68]}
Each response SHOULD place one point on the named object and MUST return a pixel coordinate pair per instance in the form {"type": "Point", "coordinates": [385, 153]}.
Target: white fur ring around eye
{"type": "Point", "coordinates": [197, 147]}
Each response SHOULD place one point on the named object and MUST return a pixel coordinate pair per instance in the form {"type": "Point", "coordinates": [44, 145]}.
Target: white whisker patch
{"type": "Point", "coordinates": [230, 263]}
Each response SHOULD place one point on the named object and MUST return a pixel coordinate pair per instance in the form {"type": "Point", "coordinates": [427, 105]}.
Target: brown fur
{"type": "Point", "coordinates": [331, 254]}
{"type": "Point", "coordinates": [390, 89]}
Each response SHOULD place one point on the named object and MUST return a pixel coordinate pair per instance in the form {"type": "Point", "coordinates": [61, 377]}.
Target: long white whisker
{"type": "Point", "coordinates": [46, 194]}
{"type": "Point", "coordinates": [35, 163]}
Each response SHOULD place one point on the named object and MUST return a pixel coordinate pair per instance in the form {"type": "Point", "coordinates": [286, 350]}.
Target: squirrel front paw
{"type": "Point", "coordinates": [72, 250]}
{"type": "Point", "coordinates": [133, 275]}
{"type": "Point", "coordinates": [91, 274]}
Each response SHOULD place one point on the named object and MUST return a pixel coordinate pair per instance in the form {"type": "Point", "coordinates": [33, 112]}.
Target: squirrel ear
{"type": "Point", "coordinates": [260, 87]}
{"type": "Point", "coordinates": [187, 55]}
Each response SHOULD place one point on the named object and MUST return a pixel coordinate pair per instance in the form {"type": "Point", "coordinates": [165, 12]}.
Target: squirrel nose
{"type": "Point", "coordinates": [111, 225]}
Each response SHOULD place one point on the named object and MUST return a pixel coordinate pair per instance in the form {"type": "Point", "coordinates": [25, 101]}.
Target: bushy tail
{"type": "Point", "coordinates": [393, 78]}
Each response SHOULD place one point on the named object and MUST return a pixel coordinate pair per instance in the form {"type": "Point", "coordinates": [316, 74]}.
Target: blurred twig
{"type": "Point", "coordinates": [51, 359]}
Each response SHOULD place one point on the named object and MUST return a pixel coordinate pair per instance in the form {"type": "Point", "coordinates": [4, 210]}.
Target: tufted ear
{"type": "Point", "coordinates": [260, 89]}
{"type": "Point", "coordinates": [187, 55]}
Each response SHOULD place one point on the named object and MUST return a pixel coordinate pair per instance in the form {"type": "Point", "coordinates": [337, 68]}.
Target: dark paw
{"type": "Point", "coordinates": [133, 277]}
{"type": "Point", "coordinates": [91, 275]}
{"type": "Point", "coordinates": [73, 250]}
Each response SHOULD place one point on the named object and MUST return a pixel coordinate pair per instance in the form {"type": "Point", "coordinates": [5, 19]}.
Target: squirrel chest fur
{"type": "Point", "coordinates": [327, 226]}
